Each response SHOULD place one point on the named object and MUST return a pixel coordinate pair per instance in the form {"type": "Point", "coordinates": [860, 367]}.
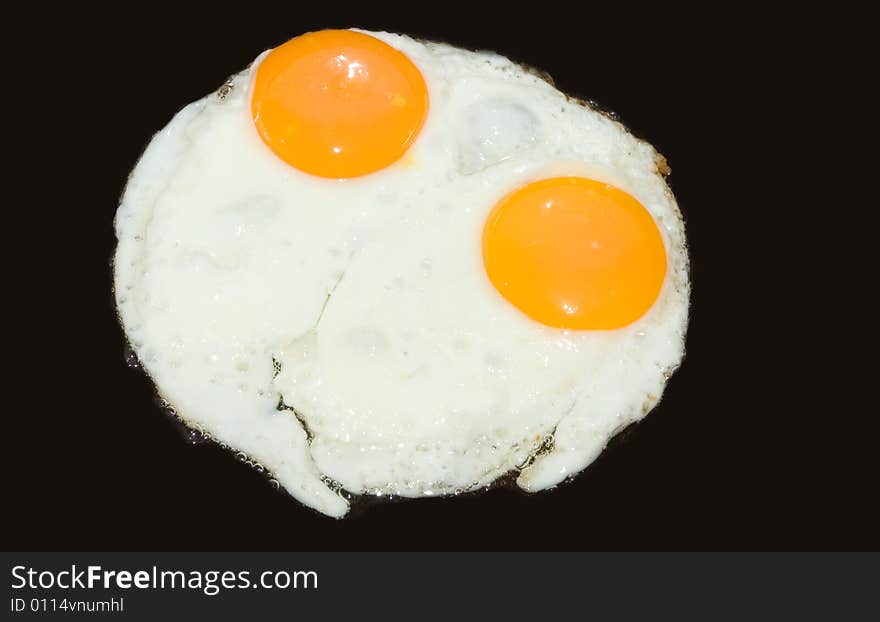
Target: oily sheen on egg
{"type": "Point", "coordinates": [345, 332]}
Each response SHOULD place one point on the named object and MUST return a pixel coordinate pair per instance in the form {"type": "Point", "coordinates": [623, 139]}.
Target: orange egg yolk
{"type": "Point", "coordinates": [338, 103]}
{"type": "Point", "coordinates": [575, 253]}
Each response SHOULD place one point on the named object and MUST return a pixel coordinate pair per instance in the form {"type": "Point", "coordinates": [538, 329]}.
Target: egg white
{"type": "Point", "coordinates": [345, 334]}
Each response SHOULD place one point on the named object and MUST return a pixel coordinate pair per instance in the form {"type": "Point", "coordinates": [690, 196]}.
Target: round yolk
{"type": "Point", "coordinates": [337, 103]}
{"type": "Point", "coordinates": [575, 253]}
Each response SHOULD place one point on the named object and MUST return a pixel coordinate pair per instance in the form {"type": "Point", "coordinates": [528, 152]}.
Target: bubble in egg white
{"type": "Point", "coordinates": [492, 130]}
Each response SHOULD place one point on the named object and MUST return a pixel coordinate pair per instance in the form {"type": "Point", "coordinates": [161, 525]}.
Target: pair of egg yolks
{"type": "Point", "coordinates": [569, 252]}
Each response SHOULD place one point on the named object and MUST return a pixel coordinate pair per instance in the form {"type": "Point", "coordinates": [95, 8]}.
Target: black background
{"type": "Point", "coordinates": [742, 453]}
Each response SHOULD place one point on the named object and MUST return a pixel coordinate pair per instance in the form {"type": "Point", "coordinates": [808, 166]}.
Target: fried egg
{"type": "Point", "coordinates": [379, 266]}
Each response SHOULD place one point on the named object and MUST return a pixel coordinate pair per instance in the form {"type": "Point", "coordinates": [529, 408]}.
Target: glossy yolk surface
{"type": "Point", "coordinates": [572, 252]}
{"type": "Point", "coordinates": [338, 104]}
